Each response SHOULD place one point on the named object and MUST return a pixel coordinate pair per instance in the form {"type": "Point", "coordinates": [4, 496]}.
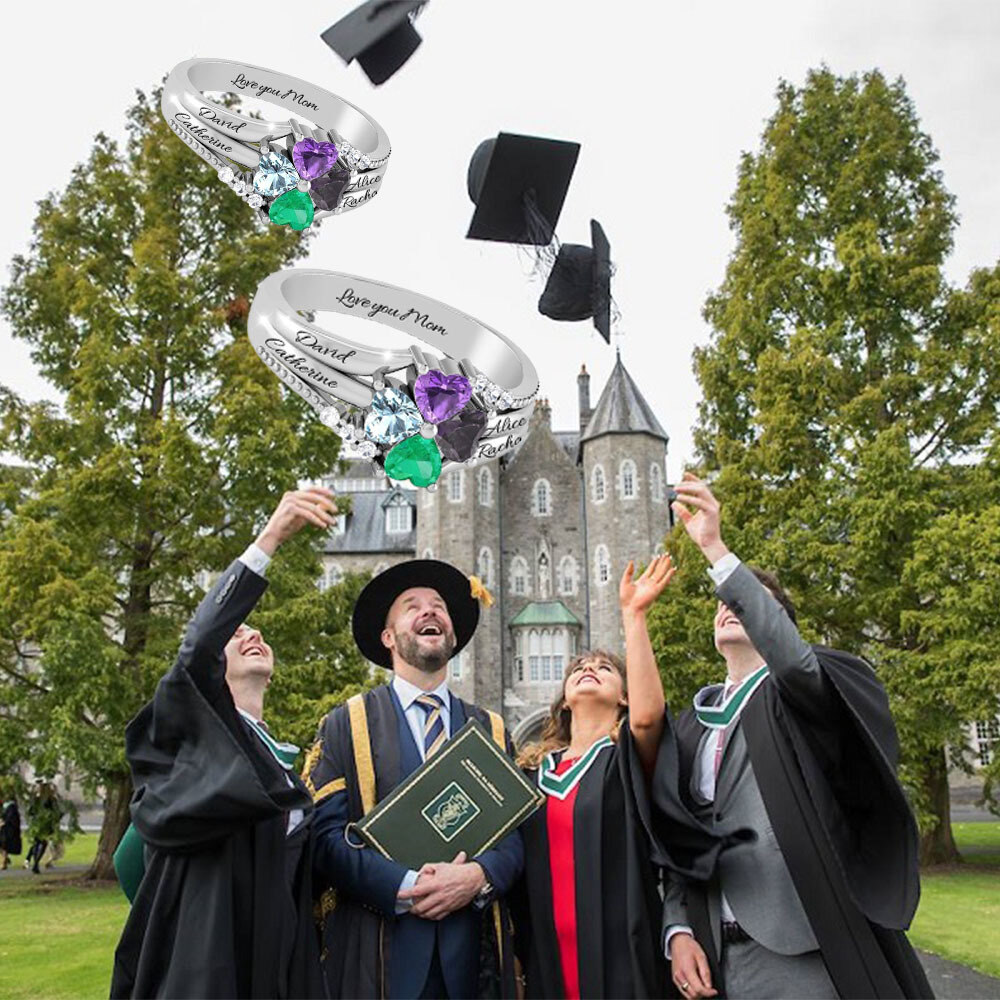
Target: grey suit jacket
{"type": "Point", "coordinates": [754, 876]}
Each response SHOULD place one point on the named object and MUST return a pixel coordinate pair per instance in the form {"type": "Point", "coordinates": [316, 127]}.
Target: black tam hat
{"type": "Point", "coordinates": [518, 184]}
{"type": "Point", "coordinates": [379, 34]}
{"type": "Point", "coordinates": [579, 285]}
{"type": "Point", "coordinates": [455, 588]}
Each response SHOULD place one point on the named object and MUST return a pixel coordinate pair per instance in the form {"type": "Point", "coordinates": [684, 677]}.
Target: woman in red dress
{"type": "Point", "coordinates": [592, 926]}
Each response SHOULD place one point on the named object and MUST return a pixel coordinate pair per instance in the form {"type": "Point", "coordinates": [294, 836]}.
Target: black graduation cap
{"type": "Point", "coordinates": [579, 284]}
{"type": "Point", "coordinates": [379, 34]}
{"type": "Point", "coordinates": [518, 184]}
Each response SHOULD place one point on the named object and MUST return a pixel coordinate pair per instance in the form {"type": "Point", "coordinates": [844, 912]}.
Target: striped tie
{"type": "Point", "coordinates": [434, 734]}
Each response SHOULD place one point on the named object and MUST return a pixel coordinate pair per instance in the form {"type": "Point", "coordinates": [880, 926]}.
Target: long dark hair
{"type": "Point", "coordinates": [558, 729]}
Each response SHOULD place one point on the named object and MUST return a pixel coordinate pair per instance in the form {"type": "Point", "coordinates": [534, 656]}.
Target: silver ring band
{"type": "Point", "coordinates": [472, 395]}
{"type": "Point", "coordinates": [345, 151]}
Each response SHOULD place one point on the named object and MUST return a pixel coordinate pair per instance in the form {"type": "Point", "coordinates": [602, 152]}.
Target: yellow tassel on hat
{"type": "Point", "coordinates": [480, 593]}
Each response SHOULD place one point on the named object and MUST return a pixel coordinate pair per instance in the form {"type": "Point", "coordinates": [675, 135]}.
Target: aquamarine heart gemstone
{"type": "Point", "coordinates": [393, 416]}
{"type": "Point", "coordinates": [275, 175]}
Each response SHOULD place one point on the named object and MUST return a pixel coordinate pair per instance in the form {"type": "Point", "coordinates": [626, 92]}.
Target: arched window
{"type": "Point", "coordinates": [656, 482]}
{"type": "Point", "coordinates": [628, 480]}
{"type": "Point", "coordinates": [519, 654]}
{"type": "Point", "coordinates": [541, 498]}
{"type": "Point", "coordinates": [484, 486]}
{"type": "Point", "coordinates": [566, 579]}
{"type": "Point", "coordinates": [398, 516]}
{"type": "Point", "coordinates": [456, 485]}
{"type": "Point", "coordinates": [484, 566]}
{"type": "Point", "coordinates": [598, 488]}
{"type": "Point", "coordinates": [544, 576]}
{"type": "Point", "coordinates": [602, 565]}
{"type": "Point", "coordinates": [519, 575]}
{"type": "Point", "coordinates": [332, 575]}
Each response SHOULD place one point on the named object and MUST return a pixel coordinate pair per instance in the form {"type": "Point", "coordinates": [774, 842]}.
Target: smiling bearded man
{"type": "Point", "coordinates": [390, 931]}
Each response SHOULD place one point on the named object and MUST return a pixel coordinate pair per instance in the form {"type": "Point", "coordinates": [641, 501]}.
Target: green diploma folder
{"type": "Point", "coordinates": [468, 796]}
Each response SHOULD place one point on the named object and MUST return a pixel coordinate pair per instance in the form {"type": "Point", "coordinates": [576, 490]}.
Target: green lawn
{"type": "Point", "coordinates": [57, 940]}
{"type": "Point", "coordinates": [960, 906]}
{"type": "Point", "coordinates": [57, 936]}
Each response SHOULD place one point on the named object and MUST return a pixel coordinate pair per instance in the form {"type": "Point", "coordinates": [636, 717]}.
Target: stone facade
{"type": "Point", "coordinates": [549, 532]}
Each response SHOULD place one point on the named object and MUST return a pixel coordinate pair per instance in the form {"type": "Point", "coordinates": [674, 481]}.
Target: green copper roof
{"type": "Point", "coordinates": [545, 613]}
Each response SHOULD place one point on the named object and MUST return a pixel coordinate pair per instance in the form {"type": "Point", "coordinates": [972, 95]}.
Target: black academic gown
{"type": "Point", "coordinates": [10, 831]}
{"type": "Point", "coordinates": [841, 820]}
{"type": "Point", "coordinates": [225, 906]}
{"type": "Point", "coordinates": [617, 887]}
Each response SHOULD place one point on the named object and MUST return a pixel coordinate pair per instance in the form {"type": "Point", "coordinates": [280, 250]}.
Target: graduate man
{"type": "Point", "coordinates": [224, 908]}
{"type": "Point", "coordinates": [798, 746]}
{"type": "Point", "coordinates": [441, 931]}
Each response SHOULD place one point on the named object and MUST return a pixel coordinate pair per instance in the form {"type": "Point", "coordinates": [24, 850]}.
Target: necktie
{"type": "Point", "coordinates": [434, 734]}
{"type": "Point", "coordinates": [721, 743]}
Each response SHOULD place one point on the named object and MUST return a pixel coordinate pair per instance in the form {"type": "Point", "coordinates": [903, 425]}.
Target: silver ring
{"type": "Point", "coordinates": [469, 402]}
{"type": "Point", "coordinates": [324, 157]}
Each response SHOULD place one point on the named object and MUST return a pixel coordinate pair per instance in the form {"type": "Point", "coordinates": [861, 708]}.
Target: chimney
{"type": "Point", "coordinates": [583, 392]}
{"type": "Point", "coordinates": [543, 412]}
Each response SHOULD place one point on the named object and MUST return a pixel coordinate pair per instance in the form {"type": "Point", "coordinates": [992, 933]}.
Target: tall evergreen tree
{"type": "Point", "coordinates": [169, 444]}
{"type": "Point", "coordinates": [849, 396]}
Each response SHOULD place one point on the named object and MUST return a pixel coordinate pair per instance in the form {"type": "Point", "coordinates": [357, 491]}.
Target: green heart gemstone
{"type": "Point", "coordinates": [417, 459]}
{"type": "Point", "coordinates": [293, 208]}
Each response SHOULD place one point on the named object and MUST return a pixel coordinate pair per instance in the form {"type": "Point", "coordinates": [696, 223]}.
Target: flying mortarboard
{"type": "Point", "coordinates": [518, 184]}
{"type": "Point", "coordinates": [379, 34]}
{"type": "Point", "coordinates": [579, 285]}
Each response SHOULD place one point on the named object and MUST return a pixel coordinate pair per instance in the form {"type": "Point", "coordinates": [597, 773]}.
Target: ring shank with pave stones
{"type": "Point", "coordinates": [322, 157]}
{"type": "Point", "coordinates": [466, 400]}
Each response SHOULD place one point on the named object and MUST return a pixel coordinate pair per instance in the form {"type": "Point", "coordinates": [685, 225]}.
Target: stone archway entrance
{"type": "Point", "coordinates": [529, 729]}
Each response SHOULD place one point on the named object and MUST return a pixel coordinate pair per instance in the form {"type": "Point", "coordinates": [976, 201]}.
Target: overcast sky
{"type": "Point", "coordinates": [662, 96]}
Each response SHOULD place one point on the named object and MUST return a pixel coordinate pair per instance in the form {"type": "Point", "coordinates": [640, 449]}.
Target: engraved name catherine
{"type": "Point", "coordinates": [299, 364]}
{"type": "Point", "coordinates": [351, 301]}
{"type": "Point", "coordinates": [262, 90]}
{"type": "Point", "coordinates": [204, 135]}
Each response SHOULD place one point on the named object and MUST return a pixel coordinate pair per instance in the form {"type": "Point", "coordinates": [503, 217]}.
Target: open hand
{"type": "Point", "coordinates": [703, 522]}
{"type": "Point", "coordinates": [296, 509]}
{"type": "Point", "coordinates": [637, 596]}
{"type": "Point", "coordinates": [444, 888]}
{"type": "Point", "coordinates": [689, 967]}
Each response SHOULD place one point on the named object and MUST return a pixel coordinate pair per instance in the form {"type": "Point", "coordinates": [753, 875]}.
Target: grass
{"type": "Point", "coordinates": [960, 904]}
{"type": "Point", "coordinates": [58, 935]}
{"type": "Point", "coordinates": [57, 940]}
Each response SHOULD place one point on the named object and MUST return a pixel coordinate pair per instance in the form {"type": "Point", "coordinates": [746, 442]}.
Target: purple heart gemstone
{"type": "Point", "coordinates": [312, 159]}
{"type": "Point", "coordinates": [440, 396]}
{"type": "Point", "coordinates": [458, 437]}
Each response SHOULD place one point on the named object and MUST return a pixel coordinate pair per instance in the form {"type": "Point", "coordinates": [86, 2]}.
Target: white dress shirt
{"type": "Point", "coordinates": [407, 694]}
{"type": "Point", "coordinates": [719, 573]}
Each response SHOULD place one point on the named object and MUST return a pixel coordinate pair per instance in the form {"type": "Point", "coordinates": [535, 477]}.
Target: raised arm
{"type": "Point", "coordinates": [645, 689]}
{"type": "Point", "coordinates": [240, 587]}
{"type": "Point", "coordinates": [791, 661]}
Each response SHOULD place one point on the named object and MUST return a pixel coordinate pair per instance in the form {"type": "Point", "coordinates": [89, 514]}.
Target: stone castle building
{"type": "Point", "coordinates": [549, 531]}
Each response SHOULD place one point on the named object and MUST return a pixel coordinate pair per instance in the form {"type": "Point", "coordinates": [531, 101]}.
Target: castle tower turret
{"type": "Point", "coordinates": [623, 450]}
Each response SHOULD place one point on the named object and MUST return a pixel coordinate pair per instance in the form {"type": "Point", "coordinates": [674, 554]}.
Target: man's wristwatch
{"type": "Point", "coordinates": [486, 891]}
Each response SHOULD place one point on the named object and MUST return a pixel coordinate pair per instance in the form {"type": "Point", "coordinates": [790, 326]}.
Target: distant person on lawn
{"type": "Point", "coordinates": [225, 907]}
{"type": "Point", "coordinates": [10, 829]}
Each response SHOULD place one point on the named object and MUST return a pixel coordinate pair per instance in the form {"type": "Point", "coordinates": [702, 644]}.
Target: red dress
{"type": "Point", "coordinates": [559, 821]}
